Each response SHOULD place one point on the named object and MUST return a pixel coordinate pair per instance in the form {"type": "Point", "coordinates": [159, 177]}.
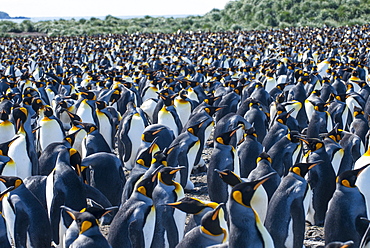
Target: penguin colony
{"type": "Point", "coordinates": [106, 130]}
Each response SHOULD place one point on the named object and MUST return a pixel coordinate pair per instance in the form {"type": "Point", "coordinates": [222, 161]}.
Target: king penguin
{"type": "Point", "coordinates": [90, 235]}
{"type": "Point", "coordinates": [224, 156]}
{"type": "Point", "coordinates": [197, 208]}
{"type": "Point", "coordinates": [345, 210]}
{"type": "Point", "coordinates": [26, 219]}
{"type": "Point", "coordinates": [7, 129]}
{"type": "Point", "coordinates": [170, 222]}
{"type": "Point", "coordinates": [246, 228]}
{"type": "Point", "coordinates": [51, 130]}
{"type": "Point", "coordinates": [134, 223]}
{"type": "Point", "coordinates": [209, 233]}
{"type": "Point", "coordinates": [285, 219]}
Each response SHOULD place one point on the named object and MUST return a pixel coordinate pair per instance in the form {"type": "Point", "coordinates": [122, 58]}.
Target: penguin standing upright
{"type": "Point", "coordinates": [168, 115]}
{"type": "Point", "coordinates": [86, 108]}
{"type": "Point", "coordinates": [129, 133]}
{"type": "Point", "coordinates": [285, 153]}
{"type": "Point", "coordinates": [185, 153]}
{"type": "Point", "coordinates": [246, 229]}
{"type": "Point", "coordinates": [258, 119]}
{"type": "Point", "coordinates": [224, 156]}
{"type": "Point", "coordinates": [23, 151]}
{"type": "Point", "coordinates": [4, 240]}
{"type": "Point", "coordinates": [51, 129]}
{"type": "Point", "coordinates": [321, 179]}
{"type": "Point", "coordinates": [264, 168]}
{"type": "Point", "coordinates": [278, 130]}
{"type": "Point", "coordinates": [248, 152]}
{"type": "Point", "coordinates": [104, 171]}
{"type": "Point", "coordinates": [26, 219]}
{"type": "Point", "coordinates": [90, 235]}
{"type": "Point", "coordinates": [170, 222]}
{"type": "Point", "coordinates": [7, 129]}
{"type": "Point", "coordinates": [64, 187]}
{"type": "Point", "coordinates": [347, 206]}
{"type": "Point", "coordinates": [105, 123]}
{"type": "Point", "coordinates": [134, 223]}
{"type": "Point", "coordinates": [209, 233]}
{"type": "Point", "coordinates": [285, 219]}
{"type": "Point", "coordinates": [93, 142]}
{"type": "Point", "coordinates": [183, 106]}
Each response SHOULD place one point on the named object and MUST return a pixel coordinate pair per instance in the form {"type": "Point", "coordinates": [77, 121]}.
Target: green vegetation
{"type": "Point", "coordinates": [237, 15]}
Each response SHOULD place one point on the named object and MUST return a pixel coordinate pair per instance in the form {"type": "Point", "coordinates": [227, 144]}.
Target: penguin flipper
{"type": "Point", "coordinates": [135, 232]}
{"type": "Point", "coordinates": [298, 218]}
{"type": "Point", "coordinates": [55, 214]}
{"type": "Point", "coordinates": [22, 221]}
{"type": "Point", "coordinates": [128, 146]}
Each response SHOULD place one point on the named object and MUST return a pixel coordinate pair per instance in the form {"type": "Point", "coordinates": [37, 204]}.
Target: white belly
{"type": "Point", "coordinates": [136, 130]}
{"type": "Point", "coordinates": [7, 132]}
{"type": "Point", "coordinates": [49, 132]}
{"type": "Point", "coordinates": [184, 111]}
{"type": "Point", "coordinates": [105, 129]}
{"type": "Point", "coordinates": [165, 118]}
{"type": "Point", "coordinates": [84, 112]}
{"type": "Point", "coordinates": [18, 152]}
{"type": "Point", "coordinates": [148, 229]}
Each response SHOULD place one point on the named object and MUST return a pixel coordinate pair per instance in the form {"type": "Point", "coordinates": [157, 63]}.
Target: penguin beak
{"type": "Point", "coordinates": [177, 169]}
{"type": "Point", "coordinates": [313, 165]}
{"type": "Point", "coordinates": [234, 131]}
{"type": "Point", "coordinates": [362, 169]}
{"type": "Point", "coordinates": [217, 210]}
{"type": "Point", "coordinates": [221, 172]}
{"type": "Point", "coordinates": [263, 179]}
{"type": "Point", "coordinates": [2, 194]}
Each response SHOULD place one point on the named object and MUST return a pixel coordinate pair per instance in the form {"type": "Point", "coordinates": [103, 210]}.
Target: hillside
{"type": "Point", "coordinates": [237, 15]}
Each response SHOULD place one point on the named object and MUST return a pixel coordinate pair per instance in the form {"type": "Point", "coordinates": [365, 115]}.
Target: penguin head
{"type": "Point", "coordinates": [116, 95]}
{"type": "Point", "coordinates": [72, 137]}
{"type": "Point", "coordinates": [20, 115]}
{"type": "Point", "coordinates": [75, 160]}
{"type": "Point", "coordinates": [210, 223]}
{"type": "Point", "coordinates": [348, 178]}
{"type": "Point", "coordinates": [144, 158]}
{"type": "Point", "coordinates": [84, 219]}
{"type": "Point", "coordinates": [10, 181]}
{"type": "Point", "coordinates": [321, 106]}
{"type": "Point", "coordinates": [89, 127]}
{"type": "Point", "coordinates": [192, 205]}
{"type": "Point", "coordinates": [146, 185]}
{"type": "Point", "coordinates": [89, 95]}
{"type": "Point", "coordinates": [211, 110]}
{"type": "Point", "coordinates": [283, 117]}
{"type": "Point", "coordinates": [4, 116]}
{"type": "Point", "coordinates": [225, 138]}
{"type": "Point", "coordinates": [358, 111]}
{"type": "Point", "coordinates": [242, 193]}
{"type": "Point", "coordinates": [100, 105]}
{"type": "Point", "coordinates": [313, 143]}
{"type": "Point", "coordinates": [160, 157]}
{"type": "Point", "coordinates": [335, 134]}
{"type": "Point", "coordinates": [211, 100]}
{"type": "Point", "coordinates": [74, 117]}
{"type": "Point", "coordinates": [301, 169]}
{"type": "Point", "coordinates": [167, 100]}
{"type": "Point", "coordinates": [251, 132]}
{"type": "Point", "coordinates": [37, 104]}
{"type": "Point", "coordinates": [264, 157]}
{"type": "Point", "coordinates": [229, 177]}
{"type": "Point", "coordinates": [150, 134]}
{"type": "Point", "coordinates": [166, 174]}
{"type": "Point", "coordinates": [4, 147]}
{"type": "Point", "coordinates": [48, 111]}
{"type": "Point", "coordinates": [6, 191]}
{"type": "Point", "coordinates": [194, 129]}
{"type": "Point", "coordinates": [293, 136]}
